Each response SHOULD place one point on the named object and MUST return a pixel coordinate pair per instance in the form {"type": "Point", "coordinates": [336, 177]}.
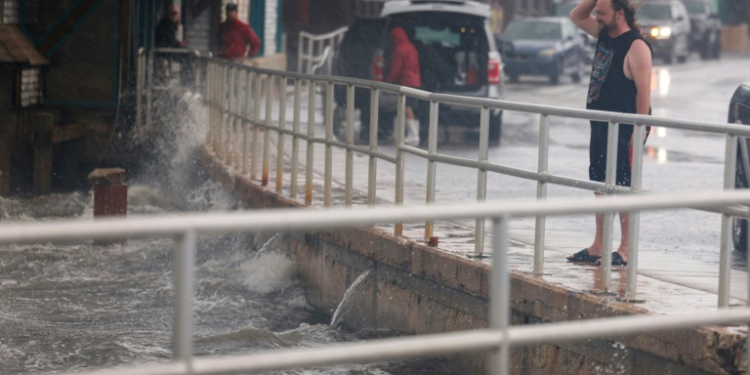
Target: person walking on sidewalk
{"type": "Point", "coordinates": [620, 82]}
{"type": "Point", "coordinates": [405, 71]}
{"type": "Point", "coordinates": [237, 39]}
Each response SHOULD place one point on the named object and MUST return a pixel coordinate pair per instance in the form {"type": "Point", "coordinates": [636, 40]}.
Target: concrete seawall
{"type": "Point", "coordinates": [417, 289]}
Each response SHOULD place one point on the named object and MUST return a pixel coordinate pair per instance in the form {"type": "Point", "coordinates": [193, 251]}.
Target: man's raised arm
{"type": "Point", "coordinates": [581, 16]}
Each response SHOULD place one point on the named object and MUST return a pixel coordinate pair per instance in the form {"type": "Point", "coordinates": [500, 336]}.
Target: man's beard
{"type": "Point", "coordinates": [606, 27]}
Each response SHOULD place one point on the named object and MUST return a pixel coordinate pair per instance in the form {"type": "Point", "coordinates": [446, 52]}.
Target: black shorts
{"type": "Point", "coordinates": [598, 152]}
{"type": "Point", "coordinates": [411, 102]}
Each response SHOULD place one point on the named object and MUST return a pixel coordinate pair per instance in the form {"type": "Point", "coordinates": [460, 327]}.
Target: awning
{"type": "Point", "coordinates": [15, 47]}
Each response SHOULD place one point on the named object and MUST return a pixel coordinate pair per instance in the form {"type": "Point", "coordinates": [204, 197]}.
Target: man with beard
{"type": "Point", "coordinates": [620, 82]}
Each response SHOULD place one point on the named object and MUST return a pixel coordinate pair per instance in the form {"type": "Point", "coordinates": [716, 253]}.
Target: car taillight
{"type": "Point", "coordinates": [493, 71]}
{"type": "Point", "coordinates": [377, 67]}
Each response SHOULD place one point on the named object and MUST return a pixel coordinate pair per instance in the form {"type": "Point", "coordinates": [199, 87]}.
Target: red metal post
{"type": "Point", "coordinates": [110, 196]}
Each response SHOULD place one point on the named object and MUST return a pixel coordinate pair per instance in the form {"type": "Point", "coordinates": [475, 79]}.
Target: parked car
{"type": "Point", "coordinates": [706, 27]}
{"type": "Point", "coordinates": [665, 24]}
{"type": "Point", "coordinates": [548, 46]}
{"type": "Point", "coordinates": [457, 56]}
{"type": "Point", "coordinates": [739, 112]}
{"type": "Point", "coordinates": [562, 10]}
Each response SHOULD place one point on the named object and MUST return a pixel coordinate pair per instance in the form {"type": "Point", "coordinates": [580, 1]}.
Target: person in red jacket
{"type": "Point", "coordinates": [236, 37]}
{"type": "Point", "coordinates": [405, 71]}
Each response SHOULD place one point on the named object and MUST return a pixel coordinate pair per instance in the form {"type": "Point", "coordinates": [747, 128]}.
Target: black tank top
{"type": "Point", "coordinates": [609, 89]}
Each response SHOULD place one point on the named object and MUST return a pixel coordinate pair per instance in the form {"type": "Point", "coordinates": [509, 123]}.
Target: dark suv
{"type": "Point", "coordinates": [666, 26]}
{"type": "Point", "coordinates": [457, 56]}
{"type": "Point", "coordinates": [706, 26]}
{"type": "Point", "coordinates": [739, 113]}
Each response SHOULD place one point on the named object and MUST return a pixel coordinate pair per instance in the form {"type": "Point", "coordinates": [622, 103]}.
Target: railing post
{"type": "Point", "coordinates": [213, 102]}
{"type": "Point", "coordinates": [208, 99]}
{"type": "Point", "coordinates": [398, 228]}
{"type": "Point", "coordinates": [139, 90]}
{"type": "Point", "coordinates": [300, 58]}
{"type": "Point", "coordinates": [500, 296]}
{"type": "Point", "coordinates": [328, 173]}
{"type": "Point", "coordinates": [149, 88]}
{"type": "Point", "coordinates": [432, 135]}
{"type": "Point", "coordinates": [613, 132]}
{"type": "Point", "coordinates": [295, 140]}
{"type": "Point", "coordinates": [310, 145]}
{"type": "Point", "coordinates": [184, 262]}
{"type": "Point", "coordinates": [484, 128]}
{"type": "Point", "coordinates": [221, 104]}
{"type": "Point", "coordinates": [247, 120]}
{"type": "Point", "coordinates": [373, 170]}
{"type": "Point", "coordinates": [256, 123]}
{"type": "Point", "coordinates": [266, 131]}
{"type": "Point", "coordinates": [349, 145]}
{"type": "Point", "coordinates": [636, 180]}
{"type": "Point", "coordinates": [541, 194]}
{"type": "Point", "coordinates": [233, 157]}
{"type": "Point", "coordinates": [725, 262]}
{"type": "Point", "coordinates": [239, 121]}
{"type": "Point", "coordinates": [228, 146]}
{"type": "Point", "coordinates": [280, 140]}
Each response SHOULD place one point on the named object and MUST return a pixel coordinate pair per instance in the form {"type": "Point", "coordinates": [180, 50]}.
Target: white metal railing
{"type": "Point", "coordinates": [311, 50]}
{"type": "Point", "coordinates": [496, 339]}
{"type": "Point", "coordinates": [146, 74]}
{"type": "Point", "coordinates": [229, 118]}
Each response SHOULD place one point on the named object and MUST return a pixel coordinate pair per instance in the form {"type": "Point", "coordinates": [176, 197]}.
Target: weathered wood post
{"type": "Point", "coordinates": [43, 125]}
{"type": "Point", "coordinates": [110, 197]}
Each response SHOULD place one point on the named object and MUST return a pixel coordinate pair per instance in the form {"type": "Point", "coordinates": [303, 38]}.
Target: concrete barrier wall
{"type": "Point", "coordinates": [417, 289]}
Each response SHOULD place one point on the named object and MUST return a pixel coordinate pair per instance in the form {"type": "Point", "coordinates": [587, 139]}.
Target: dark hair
{"type": "Point", "coordinates": [629, 10]}
{"type": "Point", "coordinates": [231, 6]}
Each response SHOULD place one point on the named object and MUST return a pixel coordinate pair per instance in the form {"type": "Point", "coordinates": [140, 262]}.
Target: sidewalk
{"type": "Point", "coordinates": [666, 285]}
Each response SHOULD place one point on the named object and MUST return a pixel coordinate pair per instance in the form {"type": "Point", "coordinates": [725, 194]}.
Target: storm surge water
{"type": "Point", "coordinates": [74, 306]}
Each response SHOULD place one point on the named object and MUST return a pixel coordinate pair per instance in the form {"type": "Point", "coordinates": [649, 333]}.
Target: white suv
{"type": "Point", "coordinates": [457, 56]}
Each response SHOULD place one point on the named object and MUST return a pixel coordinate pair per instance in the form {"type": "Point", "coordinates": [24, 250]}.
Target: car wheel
{"type": "Point", "coordinates": [576, 77]}
{"type": "Point", "coordinates": [739, 234]}
{"type": "Point", "coordinates": [496, 127]}
{"type": "Point", "coordinates": [716, 48]}
{"type": "Point", "coordinates": [554, 77]}
{"type": "Point", "coordinates": [706, 48]}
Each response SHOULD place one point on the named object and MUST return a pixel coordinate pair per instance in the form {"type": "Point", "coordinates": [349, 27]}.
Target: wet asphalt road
{"type": "Point", "coordinates": [676, 160]}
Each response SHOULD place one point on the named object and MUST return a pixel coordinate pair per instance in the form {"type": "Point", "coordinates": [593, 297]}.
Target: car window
{"type": "Point", "coordinates": [650, 11]}
{"type": "Point", "coordinates": [444, 36]}
{"type": "Point", "coordinates": [694, 6]}
{"type": "Point", "coordinates": [680, 11]}
{"type": "Point", "coordinates": [562, 10]}
{"type": "Point", "coordinates": [570, 29]}
{"type": "Point", "coordinates": [714, 6]}
{"type": "Point", "coordinates": [533, 31]}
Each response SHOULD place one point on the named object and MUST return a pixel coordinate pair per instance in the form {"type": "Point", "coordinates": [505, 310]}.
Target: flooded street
{"type": "Point", "coordinates": [69, 307]}
{"type": "Point", "coordinates": [75, 306]}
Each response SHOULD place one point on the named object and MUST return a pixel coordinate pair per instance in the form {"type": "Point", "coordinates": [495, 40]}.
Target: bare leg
{"type": "Point", "coordinates": [596, 248]}
{"type": "Point", "coordinates": [409, 113]}
{"type": "Point", "coordinates": [625, 229]}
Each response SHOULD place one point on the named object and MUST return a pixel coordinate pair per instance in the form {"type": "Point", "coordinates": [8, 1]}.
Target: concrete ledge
{"type": "Point", "coordinates": [417, 289]}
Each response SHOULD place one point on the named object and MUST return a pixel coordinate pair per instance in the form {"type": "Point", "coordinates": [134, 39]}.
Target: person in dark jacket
{"type": "Point", "coordinates": [405, 71]}
{"type": "Point", "coordinates": [166, 37]}
{"type": "Point", "coordinates": [236, 38]}
{"type": "Point", "coordinates": [166, 30]}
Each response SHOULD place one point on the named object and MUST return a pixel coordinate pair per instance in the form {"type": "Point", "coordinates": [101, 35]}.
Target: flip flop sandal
{"type": "Point", "coordinates": [616, 260]}
{"type": "Point", "coordinates": [583, 256]}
